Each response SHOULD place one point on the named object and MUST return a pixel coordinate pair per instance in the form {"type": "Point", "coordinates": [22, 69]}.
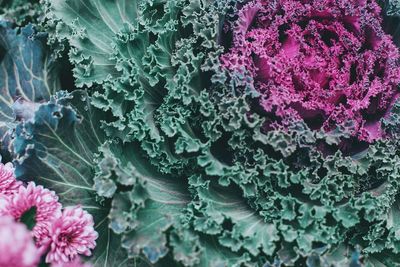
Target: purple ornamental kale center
{"type": "Point", "coordinates": [328, 62]}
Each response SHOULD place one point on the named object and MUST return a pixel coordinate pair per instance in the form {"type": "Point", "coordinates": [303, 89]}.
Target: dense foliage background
{"type": "Point", "coordinates": [125, 107]}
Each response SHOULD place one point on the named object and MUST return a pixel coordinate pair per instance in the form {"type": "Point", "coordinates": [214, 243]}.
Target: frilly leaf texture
{"type": "Point", "coordinates": [21, 12]}
{"type": "Point", "coordinates": [170, 153]}
{"type": "Point", "coordinates": [57, 148]}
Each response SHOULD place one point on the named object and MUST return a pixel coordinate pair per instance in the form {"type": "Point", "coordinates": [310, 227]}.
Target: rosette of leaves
{"type": "Point", "coordinates": [172, 150]}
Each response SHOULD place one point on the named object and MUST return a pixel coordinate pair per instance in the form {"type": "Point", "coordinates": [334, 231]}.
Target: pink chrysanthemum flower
{"type": "Point", "coordinates": [71, 234]}
{"type": "Point", "coordinates": [8, 184]}
{"type": "Point", "coordinates": [43, 200]}
{"type": "Point", "coordinates": [16, 245]}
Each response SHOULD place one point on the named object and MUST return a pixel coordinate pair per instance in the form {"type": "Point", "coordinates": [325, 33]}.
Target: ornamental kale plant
{"type": "Point", "coordinates": [204, 133]}
{"type": "Point", "coordinates": [327, 62]}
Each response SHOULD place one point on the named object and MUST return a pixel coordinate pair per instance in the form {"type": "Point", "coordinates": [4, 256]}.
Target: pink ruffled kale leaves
{"type": "Point", "coordinates": [327, 62]}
